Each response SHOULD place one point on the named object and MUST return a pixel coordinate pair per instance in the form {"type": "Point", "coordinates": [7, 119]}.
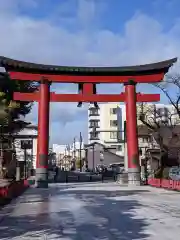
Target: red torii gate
{"type": "Point", "coordinates": [86, 78]}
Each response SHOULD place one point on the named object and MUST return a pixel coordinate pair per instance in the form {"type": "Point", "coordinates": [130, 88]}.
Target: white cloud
{"type": "Point", "coordinates": [41, 40]}
{"type": "Point", "coordinates": [64, 134]}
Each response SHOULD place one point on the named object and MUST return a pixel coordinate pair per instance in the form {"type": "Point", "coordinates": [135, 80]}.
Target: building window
{"type": "Point", "coordinates": [94, 123]}
{"type": "Point", "coordinates": [113, 111]}
{"type": "Point", "coordinates": [117, 147]}
{"type": "Point", "coordinates": [93, 112]}
{"type": "Point", "coordinates": [113, 135]}
{"type": "Point", "coordinates": [94, 135]}
{"type": "Point", "coordinates": [113, 123]}
{"type": "Point", "coordinates": [145, 139]}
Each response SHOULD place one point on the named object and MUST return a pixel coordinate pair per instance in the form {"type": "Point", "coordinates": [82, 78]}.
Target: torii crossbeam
{"type": "Point", "coordinates": [86, 78]}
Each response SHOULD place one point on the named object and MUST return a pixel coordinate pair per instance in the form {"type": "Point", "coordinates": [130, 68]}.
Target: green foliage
{"type": "Point", "coordinates": [162, 173]}
{"type": "Point", "coordinates": [10, 111]}
{"type": "Point", "coordinates": [166, 173]}
{"type": "Point", "coordinates": [158, 173]}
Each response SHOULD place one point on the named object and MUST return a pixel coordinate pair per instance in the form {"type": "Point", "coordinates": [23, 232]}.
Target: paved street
{"type": "Point", "coordinates": [92, 211]}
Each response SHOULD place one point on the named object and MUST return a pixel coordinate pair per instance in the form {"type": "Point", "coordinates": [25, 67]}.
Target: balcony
{"type": "Point", "coordinates": [93, 126]}
{"type": "Point", "coordinates": [113, 141]}
{"type": "Point", "coordinates": [94, 123]}
{"type": "Point", "coordinates": [94, 136]}
{"type": "Point", "coordinates": [93, 112]}
{"type": "Point", "coordinates": [92, 107]}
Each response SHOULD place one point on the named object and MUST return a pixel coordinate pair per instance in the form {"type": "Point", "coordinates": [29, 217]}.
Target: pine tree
{"type": "Point", "coordinates": [11, 111]}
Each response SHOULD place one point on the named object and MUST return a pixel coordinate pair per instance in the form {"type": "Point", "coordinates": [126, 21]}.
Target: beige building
{"type": "Point", "coordinates": [106, 125]}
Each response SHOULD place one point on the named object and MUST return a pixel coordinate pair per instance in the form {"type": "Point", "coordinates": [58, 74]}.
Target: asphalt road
{"type": "Point", "coordinates": [92, 211]}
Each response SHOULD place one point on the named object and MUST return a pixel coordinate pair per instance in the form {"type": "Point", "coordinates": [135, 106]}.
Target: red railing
{"type": "Point", "coordinates": [164, 183]}
{"type": "Point", "coordinates": [13, 190]}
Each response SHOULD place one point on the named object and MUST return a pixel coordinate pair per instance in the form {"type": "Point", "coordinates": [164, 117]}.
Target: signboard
{"type": "Point", "coordinates": [26, 144]}
{"type": "Point", "coordinates": [174, 173]}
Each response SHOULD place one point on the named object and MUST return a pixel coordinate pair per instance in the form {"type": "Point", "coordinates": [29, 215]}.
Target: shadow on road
{"type": "Point", "coordinates": [92, 214]}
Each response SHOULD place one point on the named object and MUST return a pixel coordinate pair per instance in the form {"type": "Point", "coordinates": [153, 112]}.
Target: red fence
{"type": "Point", "coordinates": [163, 183]}
{"type": "Point", "coordinates": [13, 190]}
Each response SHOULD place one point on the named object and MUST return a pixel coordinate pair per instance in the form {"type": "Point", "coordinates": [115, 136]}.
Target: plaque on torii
{"type": "Point", "coordinates": [86, 78]}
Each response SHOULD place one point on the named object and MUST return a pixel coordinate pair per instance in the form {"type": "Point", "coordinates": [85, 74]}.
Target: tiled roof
{"type": "Point", "coordinates": [11, 64]}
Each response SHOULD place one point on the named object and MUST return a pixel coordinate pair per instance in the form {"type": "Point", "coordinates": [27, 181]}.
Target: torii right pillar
{"type": "Point", "coordinates": [132, 135]}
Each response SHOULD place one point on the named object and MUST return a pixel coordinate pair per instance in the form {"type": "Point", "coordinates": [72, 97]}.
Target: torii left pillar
{"type": "Point", "coordinates": [132, 135]}
{"type": "Point", "coordinates": [43, 135]}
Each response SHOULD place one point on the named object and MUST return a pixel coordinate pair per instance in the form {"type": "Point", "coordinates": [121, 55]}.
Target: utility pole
{"type": "Point", "coordinates": [69, 150]}
{"type": "Point", "coordinates": [94, 133]}
{"type": "Point", "coordinates": [69, 156]}
{"type": "Point", "coordinates": [93, 157]}
{"type": "Point", "coordinates": [1, 152]}
{"type": "Point", "coordinates": [32, 158]}
{"type": "Point", "coordinates": [80, 148]}
{"type": "Point", "coordinates": [65, 158]}
{"type": "Point", "coordinates": [74, 153]}
{"type": "Point", "coordinates": [25, 163]}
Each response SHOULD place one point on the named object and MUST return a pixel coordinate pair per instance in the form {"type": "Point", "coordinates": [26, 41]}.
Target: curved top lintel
{"type": "Point", "coordinates": [147, 69]}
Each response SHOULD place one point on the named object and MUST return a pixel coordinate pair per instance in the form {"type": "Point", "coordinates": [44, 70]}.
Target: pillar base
{"type": "Point", "coordinates": [122, 178]}
{"type": "Point", "coordinates": [134, 178]}
{"type": "Point", "coordinates": [41, 177]}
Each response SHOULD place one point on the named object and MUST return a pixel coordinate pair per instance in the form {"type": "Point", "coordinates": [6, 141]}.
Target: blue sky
{"type": "Point", "coordinates": [88, 32]}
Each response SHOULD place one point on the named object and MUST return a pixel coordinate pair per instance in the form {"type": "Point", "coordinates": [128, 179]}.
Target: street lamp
{"type": "Point", "coordinates": [80, 149]}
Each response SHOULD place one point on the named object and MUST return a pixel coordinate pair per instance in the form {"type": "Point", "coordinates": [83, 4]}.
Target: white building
{"type": "Point", "coordinates": [106, 125]}
{"type": "Point", "coordinates": [28, 133]}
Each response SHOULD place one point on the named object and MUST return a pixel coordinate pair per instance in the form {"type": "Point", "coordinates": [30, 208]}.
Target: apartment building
{"type": "Point", "coordinates": [106, 125]}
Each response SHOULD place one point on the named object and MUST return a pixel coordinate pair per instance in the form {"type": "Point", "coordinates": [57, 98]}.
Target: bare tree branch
{"type": "Point", "coordinates": [155, 120]}
{"type": "Point", "coordinates": [171, 88]}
